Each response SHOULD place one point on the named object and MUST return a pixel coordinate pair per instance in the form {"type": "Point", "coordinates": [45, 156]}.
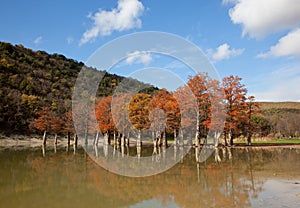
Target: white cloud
{"type": "Point", "coordinates": [288, 45]}
{"type": "Point", "coordinates": [224, 52]}
{"type": "Point", "coordinates": [139, 57]}
{"type": "Point", "coordinates": [38, 40]}
{"type": "Point", "coordinates": [262, 17]}
{"type": "Point", "coordinates": [126, 16]}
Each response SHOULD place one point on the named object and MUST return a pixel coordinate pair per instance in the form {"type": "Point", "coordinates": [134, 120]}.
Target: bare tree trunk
{"type": "Point", "coordinates": [45, 137]}
{"type": "Point", "coordinates": [164, 139]}
{"type": "Point", "coordinates": [123, 150]}
{"type": "Point", "coordinates": [68, 138]}
{"type": "Point", "coordinates": [181, 143]}
{"type": "Point", "coordinates": [249, 139]}
{"type": "Point", "coordinates": [44, 150]}
{"type": "Point", "coordinates": [197, 154]}
{"type": "Point", "coordinates": [123, 140]}
{"type": "Point", "coordinates": [175, 152]}
{"type": "Point", "coordinates": [127, 141]}
{"type": "Point", "coordinates": [175, 137]}
{"type": "Point", "coordinates": [139, 139]}
{"type": "Point", "coordinates": [225, 139]}
{"type": "Point", "coordinates": [231, 139]}
{"type": "Point", "coordinates": [153, 138]}
{"type": "Point", "coordinates": [138, 150]}
{"type": "Point", "coordinates": [159, 139]}
{"type": "Point", "coordinates": [114, 137]}
{"type": "Point", "coordinates": [197, 142]}
{"type": "Point", "coordinates": [55, 139]}
{"type": "Point", "coordinates": [96, 138]}
{"type": "Point", "coordinates": [75, 140]}
{"type": "Point", "coordinates": [106, 138]}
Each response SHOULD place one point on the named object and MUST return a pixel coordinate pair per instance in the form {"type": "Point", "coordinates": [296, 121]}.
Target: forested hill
{"type": "Point", "coordinates": [31, 79]}
{"type": "Point", "coordinates": [282, 118]}
{"type": "Point", "coordinates": [279, 105]}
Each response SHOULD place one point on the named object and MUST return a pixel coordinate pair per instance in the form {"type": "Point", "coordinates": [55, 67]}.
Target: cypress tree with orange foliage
{"type": "Point", "coordinates": [235, 98]}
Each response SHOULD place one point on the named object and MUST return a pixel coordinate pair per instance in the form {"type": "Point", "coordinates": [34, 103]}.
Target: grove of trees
{"type": "Point", "coordinates": [36, 92]}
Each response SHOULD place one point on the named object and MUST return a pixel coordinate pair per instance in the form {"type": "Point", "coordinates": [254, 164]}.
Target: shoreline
{"type": "Point", "coordinates": [36, 141]}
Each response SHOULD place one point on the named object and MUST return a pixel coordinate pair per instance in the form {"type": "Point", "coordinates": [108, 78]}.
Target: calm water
{"type": "Point", "coordinates": [243, 178]}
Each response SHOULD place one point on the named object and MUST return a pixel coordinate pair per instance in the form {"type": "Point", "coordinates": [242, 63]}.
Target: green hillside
{"type": "Point", "coordinates": [31, 79]}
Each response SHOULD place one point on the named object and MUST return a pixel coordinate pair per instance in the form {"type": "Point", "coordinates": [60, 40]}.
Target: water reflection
{"type": "Point", "coordinates": [231, 178]}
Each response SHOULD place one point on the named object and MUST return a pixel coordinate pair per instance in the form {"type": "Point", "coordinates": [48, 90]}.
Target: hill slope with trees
{"type": "Point", "coordinates": [30, 80]}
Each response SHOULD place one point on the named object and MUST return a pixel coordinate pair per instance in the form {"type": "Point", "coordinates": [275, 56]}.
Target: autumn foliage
{"type": "Point", "coordinates": [192, 111]}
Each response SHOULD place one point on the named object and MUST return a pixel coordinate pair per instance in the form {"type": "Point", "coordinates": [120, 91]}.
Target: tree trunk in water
{"type": "Point", "coordinates": [68, 138]}
{"type": "Point", "coordinates": [225, 139]}
{"type": "Point", "coordinates": [139, 140]}
{"type": "Point", "coordinates": [197, 142]}
{"type": "Point", "coordinates": [123, 140]}
{"type": "Point", "coordinates": [96, 138]}
{"type": "Point", "coordinates": [109, 138]}
{"type": "Point", "coordinates": [55, 139]}
{"type": "Point", "coordinates": [159, 139]}
{"type": "Point", "coordinates": [45, 137]}
{"type": "Point", "coordinates": [164, 139]}
{"type": "Point", "coordinates": [181, 143]}
{"type": "Point", "coordinates": [231, 139]}
{"type": "Point", "coordinates": [106, 138]}
{"type": "Point", "coordinates": [138, 150]}
{"type": "Point", "coordinates": [127, 139]}
{"type": "Point", "coordinates": [153, 137]}
{"type": "Point", "coordinates": [75, 140]}
{"type": "Point", "coordinates": [249, 139]}
{"type": "Point", "coordinates": [44, 150]}
{"type": "Point", "coordinates": [114, 137]}
{"type": "Point", "coordinates": [175, 137]}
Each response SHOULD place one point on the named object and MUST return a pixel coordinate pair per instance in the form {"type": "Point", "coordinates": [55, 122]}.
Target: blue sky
{"type": "Point", "coordinates": [256, 40]}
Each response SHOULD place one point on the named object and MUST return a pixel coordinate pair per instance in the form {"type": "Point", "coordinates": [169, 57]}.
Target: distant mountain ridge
{"type": "Point", "coordinates": [279, 105]}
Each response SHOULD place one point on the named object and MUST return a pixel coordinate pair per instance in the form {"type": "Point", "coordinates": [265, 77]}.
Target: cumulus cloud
{"type": "Point", "coordinates": [38, 40]}
{"type": "Point", "coordinates": [224, 52]}
{"type": "Point", "coordinates": [288, 45]}
{"type": "Point", "coordinates": [262, 17]}
{"type": "Point", "coordinates": [126, 16]}
{"type": "Point", "coordinates": [139, 57]}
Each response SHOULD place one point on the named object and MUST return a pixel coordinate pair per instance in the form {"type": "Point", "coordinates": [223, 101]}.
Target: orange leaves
{"type": "Point", "coordinates": [48, 121]}
{"type": "Point", "coordinates": [42, 123]}
{"type": "Point", "coordinates": [139, 111]}
{"type": "Point", "coordinates": [103, 114]}
{"type": "Point", "coordinates": [235, 94]}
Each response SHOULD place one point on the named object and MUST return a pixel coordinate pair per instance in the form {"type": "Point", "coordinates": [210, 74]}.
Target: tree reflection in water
{"type": "Point", "coordinates": [233, 177]}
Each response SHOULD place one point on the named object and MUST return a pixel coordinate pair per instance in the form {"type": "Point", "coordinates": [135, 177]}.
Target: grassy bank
{"type": "Point", "coordinates": [283, 141]}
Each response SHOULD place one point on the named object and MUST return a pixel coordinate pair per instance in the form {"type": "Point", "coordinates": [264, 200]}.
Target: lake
{"type": "Point", "coordinates": [237, 177]}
